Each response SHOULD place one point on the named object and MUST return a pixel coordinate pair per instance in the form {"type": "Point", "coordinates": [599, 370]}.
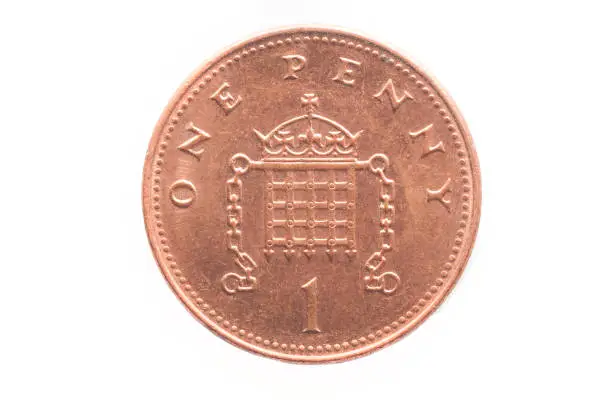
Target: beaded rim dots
{"type": "Point", "coordinates": [334, 40]}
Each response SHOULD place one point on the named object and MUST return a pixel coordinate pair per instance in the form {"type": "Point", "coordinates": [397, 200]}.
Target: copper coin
{"type": "Point", "coordinates": [311, 195]}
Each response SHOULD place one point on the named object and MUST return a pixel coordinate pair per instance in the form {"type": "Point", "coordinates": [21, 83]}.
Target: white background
{"type": "Point", "coordinates": [86, 319]}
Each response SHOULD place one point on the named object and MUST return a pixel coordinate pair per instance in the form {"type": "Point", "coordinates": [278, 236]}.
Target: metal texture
{"type": "Point", "coordinates": [311, 195]}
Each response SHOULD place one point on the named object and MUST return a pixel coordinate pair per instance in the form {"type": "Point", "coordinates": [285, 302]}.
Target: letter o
{"type": "Point", "coordinates": [182, 193]}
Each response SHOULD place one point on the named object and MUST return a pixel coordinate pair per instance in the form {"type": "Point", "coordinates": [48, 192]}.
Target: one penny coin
{"type": "Point", "coordinates": [311, 195]}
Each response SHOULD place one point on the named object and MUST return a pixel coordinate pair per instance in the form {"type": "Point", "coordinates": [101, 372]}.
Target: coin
{"type": "Point", "coordinates": [311, 195]}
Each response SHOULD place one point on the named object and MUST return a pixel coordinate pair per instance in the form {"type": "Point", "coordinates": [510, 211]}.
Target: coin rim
{"type": "Point", "coordinates": [344, 355]}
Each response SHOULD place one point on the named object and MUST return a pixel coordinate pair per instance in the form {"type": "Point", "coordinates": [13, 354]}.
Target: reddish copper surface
{"type": "Point", "coordinates": [311, 195]}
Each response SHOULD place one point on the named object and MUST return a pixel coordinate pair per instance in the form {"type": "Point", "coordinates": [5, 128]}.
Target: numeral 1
{"type": "Point", "coordinates": [312, 325]}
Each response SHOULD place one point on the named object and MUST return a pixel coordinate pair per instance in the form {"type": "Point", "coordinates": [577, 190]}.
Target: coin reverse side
{"type": "Point", "coordinates": [311, 195]}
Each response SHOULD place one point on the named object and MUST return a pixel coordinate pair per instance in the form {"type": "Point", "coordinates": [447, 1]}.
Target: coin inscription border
{"type": "Point", "coordinates": [335, 40]}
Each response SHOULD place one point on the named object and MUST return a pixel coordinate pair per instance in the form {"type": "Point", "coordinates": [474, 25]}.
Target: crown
{"type": "Point", "coordinates": [309, 135]}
